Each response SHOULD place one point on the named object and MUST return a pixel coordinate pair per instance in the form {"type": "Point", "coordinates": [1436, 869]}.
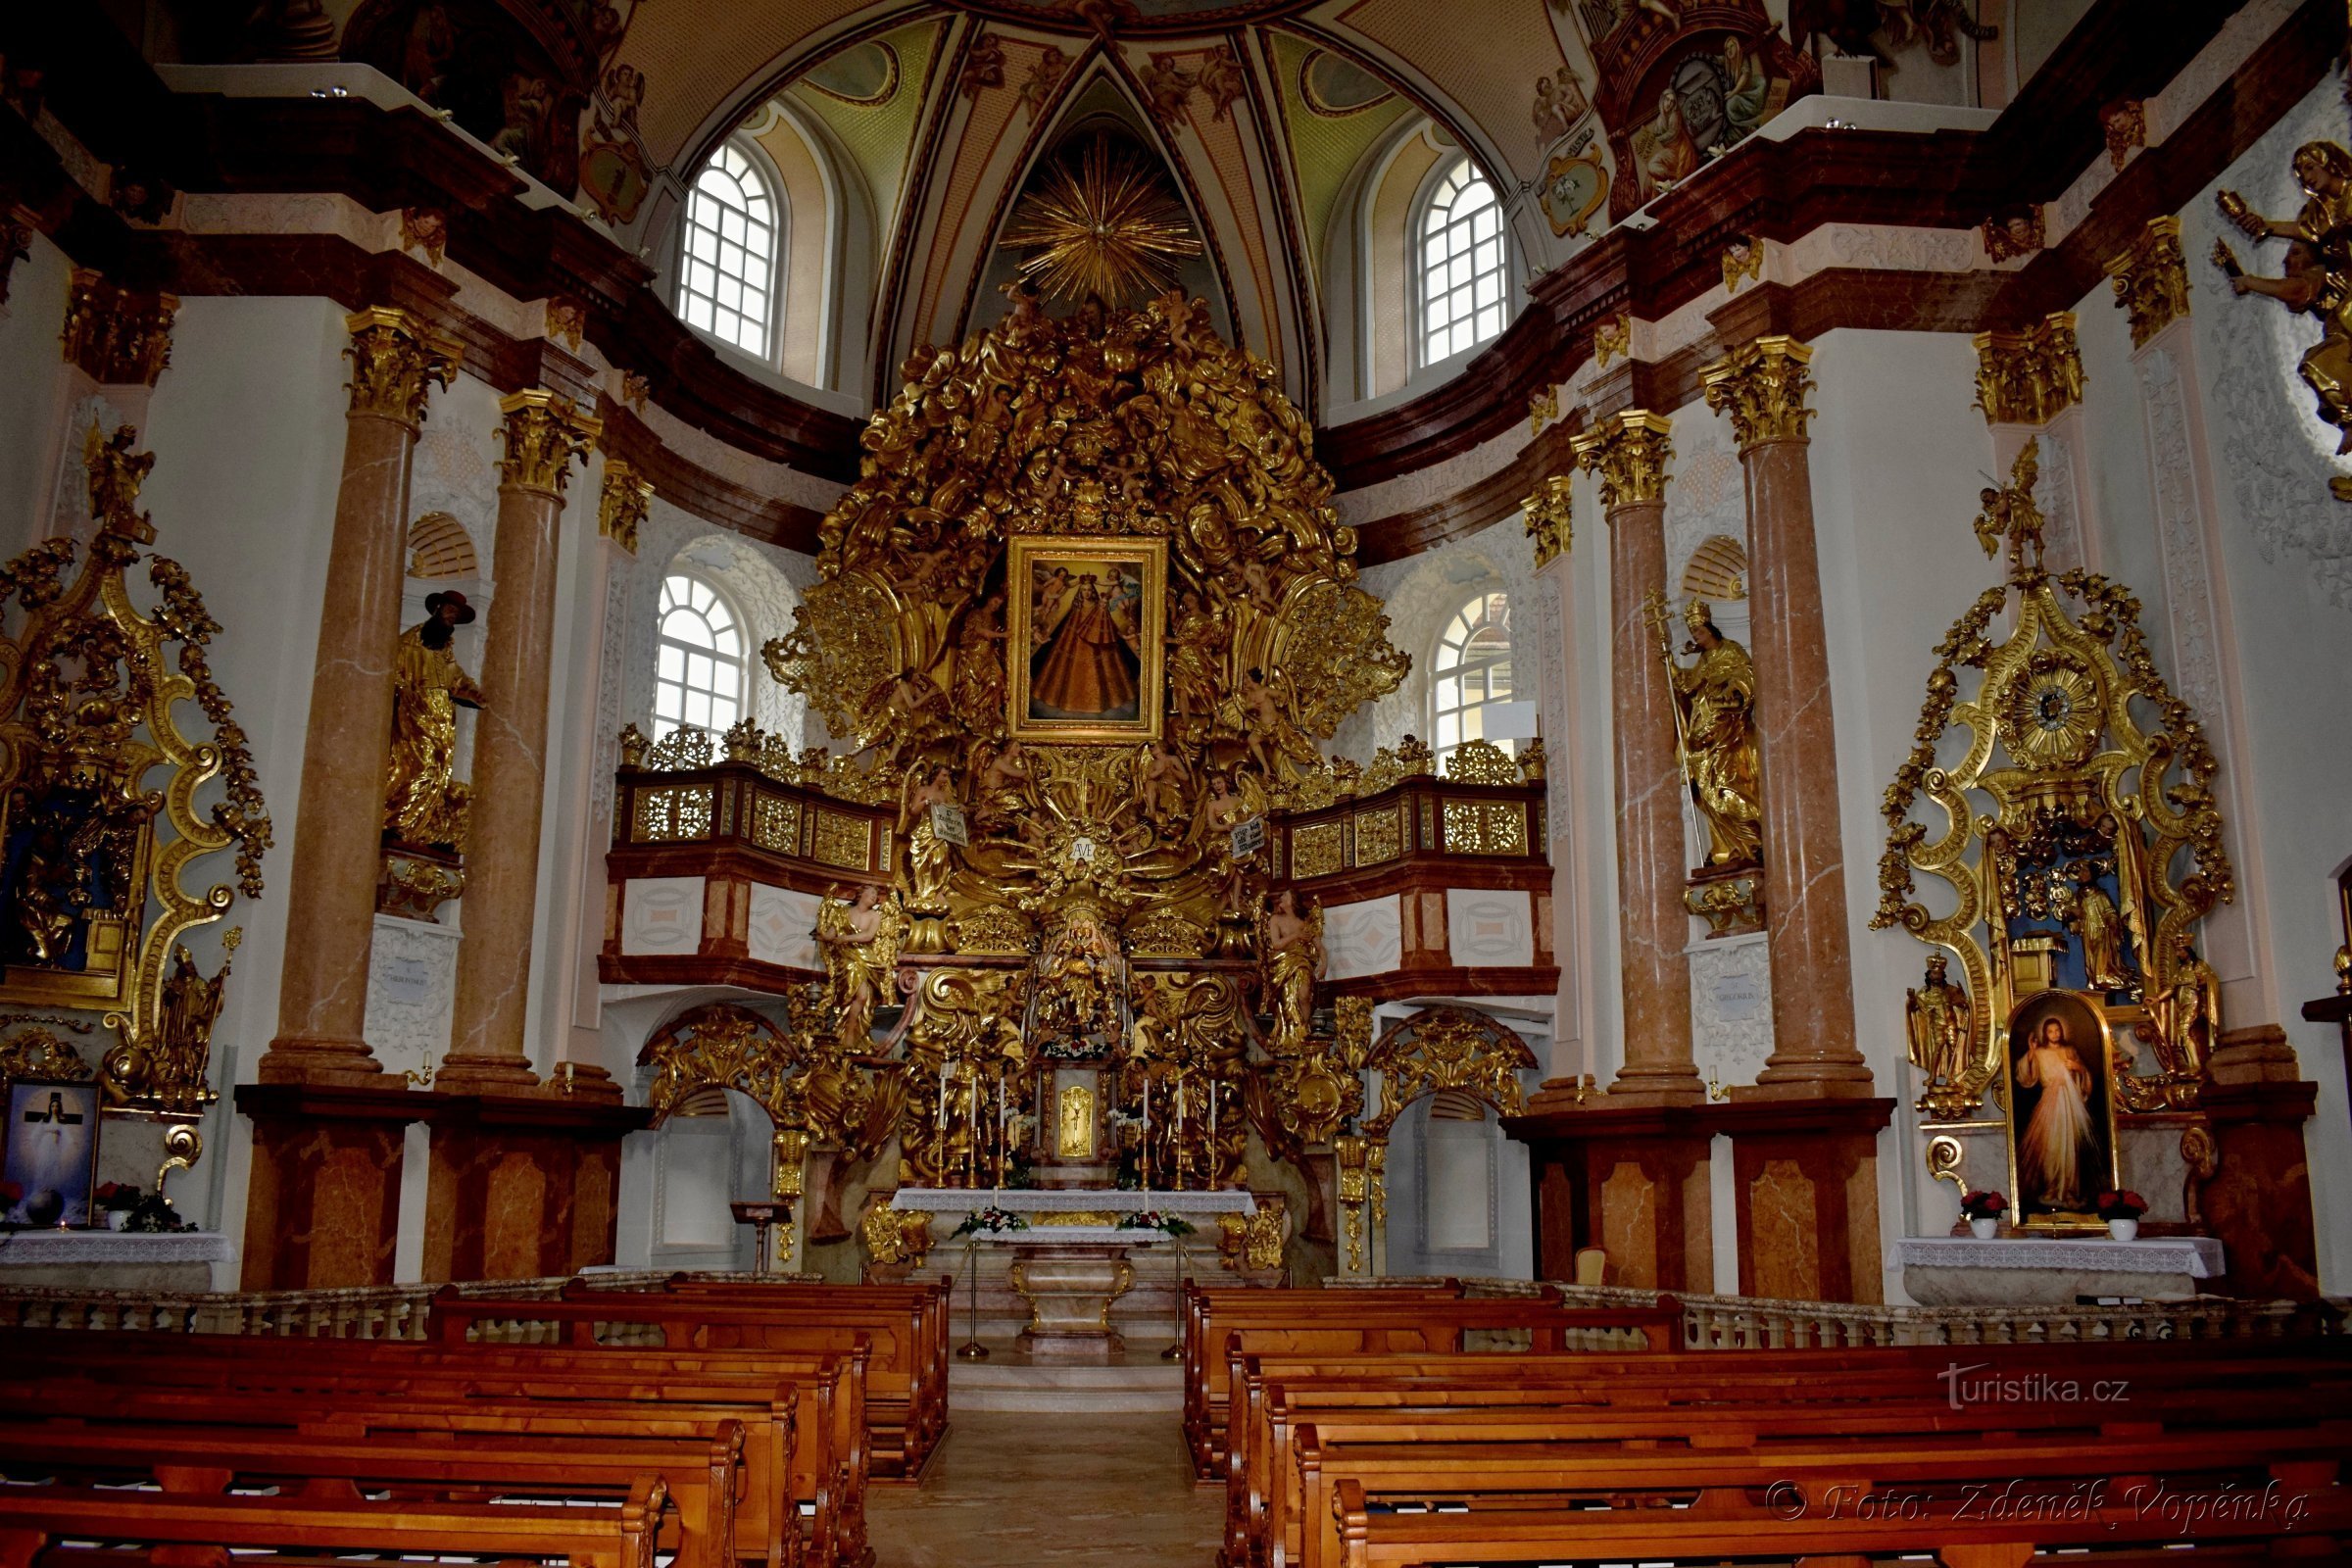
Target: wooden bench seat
{"type": "Point", "coordinates": [35, 1520]}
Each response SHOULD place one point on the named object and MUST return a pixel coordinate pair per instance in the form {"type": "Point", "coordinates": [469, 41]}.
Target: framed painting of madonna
{"type": "Point", "coordinates": [1085, 638]}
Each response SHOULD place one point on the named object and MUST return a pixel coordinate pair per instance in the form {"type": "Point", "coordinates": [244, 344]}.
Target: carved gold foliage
{"type": "Point", "coordinates": [2151, 279]}
{"type": "Point", "coordinates": [1254, 1240]}
{"type": "Point", "coordinates": [41, 1053]}
{"type": "Point", "coordinates": [1481, 762]}
{"type": "Point", "coordinates": [776, 824]}
{"type": "Point", "coordinates": [542, 434]}
{"type": "Point", "coordinates": [95, 764]}
{"type": "Point", "coordinates": [626, 501]}
{"type": "Point", "coordinates": [993, 928]}
{"type": "Point", "coordinates": [1336, 653]}
{"type": "Point", "coordinates": [672, 814]}
{"type": "Point", "coordinates": [1763, 388]}
{"type": "Point", "coordinates": [795, 1075]}
{"type": "Point", "coordinates": [1446, 1049]}
{"type": "Point", "coordinates": [842, 652]}
{"type": "Point", "coordinates": [2029, 377]}
{"type": "Point", "coordinates": [682, 750]}
{"type": "Point", "coordinates": [1629, 451]}
{"type": "Point", "coordinates": [1311, 1095]}
{"type": "Point", "coordinates": [843, 840]}
{"type": "Point", "coordinates": [1315, 850]}
{"type": "Point", "coordinates": [1550, 518]}
{"type": "Point", "coordinates": [395, 361]}
{"type": "Point", "coordinates": [1165, 933]}
{"type": "Point", "coordinates": [1485, 827]}
{"type": "Point", "coordinates": [117, 336]}
{"type": "Point", "coordinates": [1379, 835]}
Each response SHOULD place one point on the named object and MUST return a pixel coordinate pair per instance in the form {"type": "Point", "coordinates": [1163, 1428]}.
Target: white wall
{"type": "Point", "coordinates": [29, 393]}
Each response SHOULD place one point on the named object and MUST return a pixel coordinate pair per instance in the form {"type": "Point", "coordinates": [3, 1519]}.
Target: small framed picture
{"type": "Point", "coordinates": [49, 1153]}
{"type": "Point", "coordinates": [2062, 1152]}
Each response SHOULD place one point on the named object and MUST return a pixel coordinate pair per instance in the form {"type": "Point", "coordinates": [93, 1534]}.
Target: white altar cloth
{"type": "Point", "coordinates": [36, 1248]}
{"type": "Point", "coordinates": [1072, 1199]}
{"type": "Point", "coordinates": [2197, 1256]}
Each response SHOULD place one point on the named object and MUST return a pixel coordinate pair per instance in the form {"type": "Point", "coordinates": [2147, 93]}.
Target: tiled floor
{"type": "Point", "coordinates": [1020, 1488]}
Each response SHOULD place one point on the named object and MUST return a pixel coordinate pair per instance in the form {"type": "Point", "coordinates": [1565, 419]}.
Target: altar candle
{"type": "Point", "coordinates": [1212, 1132]}
{"type": "Point", "coordinates": [1145, 1151]}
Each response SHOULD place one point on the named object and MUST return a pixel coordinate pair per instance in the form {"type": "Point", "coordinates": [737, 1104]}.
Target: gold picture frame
{"type": "Point", "coordinates": [2081, 1132]}
{"type": "Point", "coordinates": [1086, 628]}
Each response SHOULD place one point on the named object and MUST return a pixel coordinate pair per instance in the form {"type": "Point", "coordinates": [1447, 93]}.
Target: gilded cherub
{"type": "Point", "coordinates": [2009, 512]}
{"type": "Point", "coordinates": [859, 940]}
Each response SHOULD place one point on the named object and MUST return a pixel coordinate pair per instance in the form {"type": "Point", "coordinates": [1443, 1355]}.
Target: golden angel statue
{"type": "Point", "coordinates": [423, 802]}
{"type": "Point", "coordinates": [2186, 1012]}
{"type": "Point", "coordinates": [2009, 512]}
{"type": "Point", "coordinates": [1225, 810]}
{"type": "Point", "coordinates": [1941, 1024]}
{"type": "Point", "coordinates": [1259, 711]}
{"type": "Point", "coordinates": [2318, 272]}
{"type": "Point", "coordinates": [115, 473]}
{"type": "Point", "coordinates": [1714, 701]}
{"type": "Point", "coordinates": [1292, 949]}
{"type": "Point", "coordinates": [859, 940]}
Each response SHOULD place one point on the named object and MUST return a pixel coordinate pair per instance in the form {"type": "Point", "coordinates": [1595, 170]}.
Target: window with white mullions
{"type": "Point", "coordinates": [1471, 674]}
{"type": "Point", "coordinates": [727, 253]}
{"type": "Point", "coordinates": [1461, 266]}
{"type": "Point", "coordinates": [699, 672]}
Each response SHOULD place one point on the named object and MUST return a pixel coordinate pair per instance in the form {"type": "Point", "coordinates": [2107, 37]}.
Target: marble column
{"type": "Point", "coordinates": [543, 435]}
{"type": "Point", "coordinates": [322, 994]}
{"type": "Point", "coordinates": [1629, 450]}
{"type": "Point", "coordinates": [1763, 388]}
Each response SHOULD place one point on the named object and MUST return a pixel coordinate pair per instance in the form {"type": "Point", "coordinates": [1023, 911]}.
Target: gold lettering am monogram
{"type": "Point", "coordinates": [2029, 377]}
{"type": "Point", "coordinates": [543, 432]}
{"type": "Point", "coordinates": [1550, 520]}
{"type": "Point", "coordinates": [395, 360]}
{"type": "Point", "coordinates": [1763, 388]}
{"type": "Point", "coordinates": [2151, 279]}
{"type": "Point", "coordinates": [1629, 450]}
{"type": "Point", "coordinates": [627, 498]}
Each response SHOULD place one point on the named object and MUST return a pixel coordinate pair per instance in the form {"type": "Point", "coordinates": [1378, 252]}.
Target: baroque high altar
{"type": "Point", "coordinates": [1082, 622]}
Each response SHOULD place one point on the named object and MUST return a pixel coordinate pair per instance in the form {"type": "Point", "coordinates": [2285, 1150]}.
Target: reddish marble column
{"type": "Point", "coordinates": [322, 992]}
{"type": "Point", "coordinates": [1763, 388]}
{"type": "Point", "coordinates": [487, 1050]}
{"type": "Point", "coordinates": [1629, 451]}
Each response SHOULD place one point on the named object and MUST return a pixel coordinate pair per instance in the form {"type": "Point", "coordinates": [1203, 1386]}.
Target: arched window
{"type": "Point", "coordinates": [697, 675]}
{"type": "Point", "coordinates": [1459, 269]}
{"type": "Point", "coordinates": [1471, 672]}
{"type": "Point", "coordinates": [727, 261]}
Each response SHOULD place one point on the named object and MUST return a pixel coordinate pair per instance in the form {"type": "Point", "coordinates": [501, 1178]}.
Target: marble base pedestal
{"type": "Point", "coordinates": [2031, 1271]}
{"type": "Point", "coordinates": [1069, 1286]}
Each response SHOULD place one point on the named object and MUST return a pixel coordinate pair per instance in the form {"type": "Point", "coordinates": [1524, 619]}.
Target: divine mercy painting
{"type": "Point", "coordinates": [2061, 1118]}
{"type": "Point", "coordinates": [1086, 637]}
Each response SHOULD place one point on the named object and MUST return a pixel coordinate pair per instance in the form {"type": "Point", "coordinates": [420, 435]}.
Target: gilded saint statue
{"type": "Point", "coordinates": [1293, 947]}
{"type": "Point", "coordinates": [1714, 708]}
{"type": "Point", "coordinates": [2318, 272]}
{"type": "Point", "coordinates": [2101, 927]}
{"type": "Point", "coordinates": [859, 940]}
{"type": "Point", "coordinates": [930, 858]}
{"type": "Point", "coordinates": [423, 802]}
{"type": "Point", "coordinates": [2186, 1012]}
{"type": "Point", "coordinates": [1941, 1023]}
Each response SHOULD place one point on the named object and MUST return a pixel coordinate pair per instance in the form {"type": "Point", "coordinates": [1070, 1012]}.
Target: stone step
{"type": "Point", "coordinates": [1008, 1380]}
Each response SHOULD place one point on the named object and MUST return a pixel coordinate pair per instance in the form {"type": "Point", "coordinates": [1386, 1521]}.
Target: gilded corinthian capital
{"type": "Point", "coordinates": [1629, 451]}
{"type": "Point", "coordinates": [1763, 388]}
{"type": "Point", "coordinates": [2029, 377]}
{"type": "Point", "coordinates": [2151, 279]}
{"type": "Point", "coordinates": [621, 511]}
{"type": "Point", "coordinates": [395, 360]}
{"type": "Point", "coordinates": [543, 432]}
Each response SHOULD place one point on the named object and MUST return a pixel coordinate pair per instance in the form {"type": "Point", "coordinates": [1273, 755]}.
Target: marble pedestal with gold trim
{"type": "Point", "coordinates": [1070, 1286]}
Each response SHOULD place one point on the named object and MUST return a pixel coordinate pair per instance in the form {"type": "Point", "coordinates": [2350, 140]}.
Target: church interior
{"type": "Point", "coordinates": [884, 783]}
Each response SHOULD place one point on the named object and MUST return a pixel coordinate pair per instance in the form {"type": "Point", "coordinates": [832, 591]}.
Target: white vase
{"type": "Point", "coordinates": [1985, 1229]}
{"type": "Point", "coordinates": [2123, 1230]}
{"type": "Point", "coordinates": [117, 1219]}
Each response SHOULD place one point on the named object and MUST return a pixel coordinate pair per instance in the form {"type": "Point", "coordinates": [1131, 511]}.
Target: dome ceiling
{"type": "Point", "coordinates": [1269, 120]}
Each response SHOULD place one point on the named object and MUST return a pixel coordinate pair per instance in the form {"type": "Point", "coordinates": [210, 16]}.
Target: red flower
{"type": "Point", "coordinates": [2124, 1205]}
{"type": "Point", "coordinates": [1979, 1204]}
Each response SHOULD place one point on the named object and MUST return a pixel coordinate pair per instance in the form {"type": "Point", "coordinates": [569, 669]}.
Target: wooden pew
{"type": "Point", "coordinates": [1430, 1325]}
{"type": "Point", "coordinates": [34, 1518]}
{"type": "Point", "coordinates": [899, 1392]}
{"type": "Point", "coordinates": [704, 1474]}
{"type": "Point", "coordinates": [804, 1438]}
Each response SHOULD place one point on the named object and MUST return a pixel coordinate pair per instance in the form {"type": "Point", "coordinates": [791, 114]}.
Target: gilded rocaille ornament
{"type": "Point", "coordinates": [1762, 387]}
{"type": "Point", "coordinates": [2078, 843]}
{"type": "Point", "coordinates": [1629, 451]}
{"type": "Point", "coordinates": [2315, 281]}
{"type": "Point", "coordinates": [1104, 225]}
{"type": "Point", "coordinates": [1714, 701]}
{"type": "Point", "coordinates": [1550, 518]}
{"type": "Point", "coordinates": [100, 786]}
{"type": "Point", "coordinates": [2029, 377]}
{"type": "Point", "coordinates": [116, 336]}
{"type": "Point", "coordinates": [1446, 1049]}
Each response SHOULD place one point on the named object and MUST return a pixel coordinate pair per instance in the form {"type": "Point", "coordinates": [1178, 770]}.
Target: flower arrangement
{"type": "Point", "coordinates": [992, 1219]}
{"type": "Point", "coordinates": [117, 1198]}
{"type": "Point", "coordinates": [1980, 1204]}
{"type": "Point", "coordinates": [2124, 1205]}
{"type": "Point", "coordinates": [1152, 1219]}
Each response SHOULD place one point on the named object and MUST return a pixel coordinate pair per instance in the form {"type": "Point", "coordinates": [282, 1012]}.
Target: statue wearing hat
{"type": "Point", "coordinates": [424, 804]}
{"type": "Point", "coordinates": [1714, 702]}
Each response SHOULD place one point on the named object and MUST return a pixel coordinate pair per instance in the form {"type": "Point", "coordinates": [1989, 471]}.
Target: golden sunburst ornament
{"type": "Point", "coordinates": [1106, 226]}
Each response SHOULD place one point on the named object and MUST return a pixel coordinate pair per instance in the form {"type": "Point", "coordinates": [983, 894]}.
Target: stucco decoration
{"type": "Point", "coordinates": [412, 992]}
{"type": "Point", "coordinates": [2277, 456]}
{"type": "Point", "coordinates": [2054, 493]}
{"type": "Point", "coordinates": [1422, 594]}
{"type": "Point", "coordinates": [1731, 1007]}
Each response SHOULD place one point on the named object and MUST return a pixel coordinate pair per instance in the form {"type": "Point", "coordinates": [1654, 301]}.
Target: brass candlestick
{"type": "Point", "coordinates": [973, 1351]}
